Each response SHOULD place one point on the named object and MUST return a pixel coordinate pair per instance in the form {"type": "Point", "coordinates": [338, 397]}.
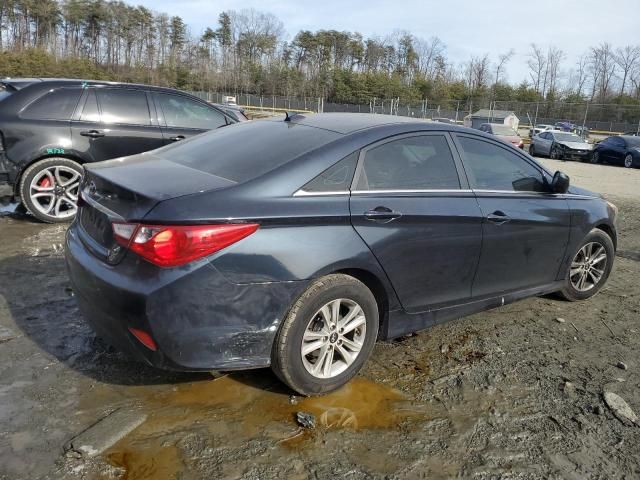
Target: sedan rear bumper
{"type": "Point", "coordinates": [198, 319]}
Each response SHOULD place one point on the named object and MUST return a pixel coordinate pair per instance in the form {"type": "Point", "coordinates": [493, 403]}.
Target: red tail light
{"type": "Point", "coordinates": [144, 338]}
{"type": "Point", "coordinates": [174, 245]}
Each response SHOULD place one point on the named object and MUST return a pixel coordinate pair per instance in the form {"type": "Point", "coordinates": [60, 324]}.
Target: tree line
{"type": "Point", "coordinates": [248, 51]}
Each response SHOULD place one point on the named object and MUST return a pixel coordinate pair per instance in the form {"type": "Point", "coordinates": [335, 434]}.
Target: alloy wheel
{"type": "Point", "coordinates": [628, 161]}
{"type": "Point", "coordinates": [588, 267]}
{"type": "Point", "coordinates": [333, 338]}
{"type": "Point", "coordinates": [54, 191]}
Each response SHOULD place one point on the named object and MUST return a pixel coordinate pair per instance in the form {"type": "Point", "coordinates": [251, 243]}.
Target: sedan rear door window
{"type": "Point", "coordinates": [493, 167]}
{"type": "Point", "coordinates": [336, 178]}
{"type": "Point", "coordinates": [421, 162]}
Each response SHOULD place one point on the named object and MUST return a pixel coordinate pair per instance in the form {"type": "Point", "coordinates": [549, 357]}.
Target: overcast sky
{"type": "Point", "coordinates": [468, 27]}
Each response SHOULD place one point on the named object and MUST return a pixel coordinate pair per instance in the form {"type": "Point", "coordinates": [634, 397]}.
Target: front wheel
{"type": "Point", "coordinates": [555, 153]}
{"type": "Point", "coordinates": [628, 161]}
{"type": "Point", "coordinates": [532, 150]}
{"type": "Point", "coordinates": [49, 189]}
{"type": "Point", "coordinates": [327, 336]}
{"type": "Point", "coordinates": [590, 267]}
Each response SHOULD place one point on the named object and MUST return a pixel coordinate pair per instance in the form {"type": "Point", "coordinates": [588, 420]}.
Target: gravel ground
{"type": "Point", "coordinates": [516, 392]}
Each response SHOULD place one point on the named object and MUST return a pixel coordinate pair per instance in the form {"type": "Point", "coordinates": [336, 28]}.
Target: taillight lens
{"type": "Point", "coordinates": [174, 245]}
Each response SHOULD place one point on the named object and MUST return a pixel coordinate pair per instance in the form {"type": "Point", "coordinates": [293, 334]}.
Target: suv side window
{"type": "Point", "coordinates": [90, 112]}
{"type": "Point", "coordinates": [336, 178]}
{"type": "Point", "coordinates": [183, 112]}
{"type": "Point", "coordinates": [420, 162]}
{"type": "Point", "coordinates": [493, 167]}
{"type": "Point", "coordinates": [120, 105]}
{"type": "Point", "coordinates": [57, 104]}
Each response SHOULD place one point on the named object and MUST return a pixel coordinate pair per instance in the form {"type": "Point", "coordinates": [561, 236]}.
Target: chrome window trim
{"type": "Point", "coordinates": [448, 190]}
{"type": "Point", "coordinates": [527, 192]}
{"type": "Point", "coordinates": [304, 193]}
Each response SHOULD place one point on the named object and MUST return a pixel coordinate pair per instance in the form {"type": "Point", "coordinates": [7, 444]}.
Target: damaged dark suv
{"type": "Point", "coordinates": [50, 127]}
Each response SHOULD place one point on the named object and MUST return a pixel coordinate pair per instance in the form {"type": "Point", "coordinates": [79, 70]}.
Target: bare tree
{"type": "Point", "coordinates": [428, 53]}
{"type": "Point", "coordinates": [503, 59]}
{"type": "Point", "coordinates": [554, 57]}
{"type": "Point", "coordinates": [537, 64]}
{"type": "Point", "coordinates": [626, 58]}
{"type": "Point", "coordinates": [602, 67]}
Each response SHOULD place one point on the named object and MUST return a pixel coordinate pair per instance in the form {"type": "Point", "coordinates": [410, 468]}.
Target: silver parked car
{"type": "Point", "coordinates": [560, 145]}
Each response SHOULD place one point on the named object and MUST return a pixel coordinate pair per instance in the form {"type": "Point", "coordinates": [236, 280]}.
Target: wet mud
{"type": "Point", "coordinates": [508, 393]}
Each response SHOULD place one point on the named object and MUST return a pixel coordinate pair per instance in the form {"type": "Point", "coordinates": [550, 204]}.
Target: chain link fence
{"type": "Point", "coordinates": [598, 117]}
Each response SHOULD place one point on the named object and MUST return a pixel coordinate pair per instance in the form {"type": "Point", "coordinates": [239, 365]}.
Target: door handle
{"type": "Point", "coordinates": [381, 214]}
{"type": "Point", "coordinates": [177, 138]}
{"type": "Point", "coordinates": [92, 133]}
{"type": "Point", "coordinates": [498, 217]}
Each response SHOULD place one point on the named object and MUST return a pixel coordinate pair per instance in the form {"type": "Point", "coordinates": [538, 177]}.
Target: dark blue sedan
{"type": "Point", "coordinates": [618, 150]}
{"type": "Point", "coordinates": [297, 244]}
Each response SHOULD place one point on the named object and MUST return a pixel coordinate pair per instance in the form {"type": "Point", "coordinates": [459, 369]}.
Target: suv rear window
{"type": "Point", "coordinates": [246, 150]}
{"type": "Point", "coordinates": [55, 105]}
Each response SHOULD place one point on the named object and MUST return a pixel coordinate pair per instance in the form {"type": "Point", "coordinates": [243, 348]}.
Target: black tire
{"type": "Point", "coordinates": [37, 169]}
{"type": "Point", "coordinates": [628, 161]}
{"type": "Point", "coordinates": [597, 236]}
{"type": "Point", "coordinates": [554, 153]}
{"type": "Point", "coordinates": [595, 158]}
{"type": "Point", "coordinates": [532, 150]}
{"type": "Point", "coordinates": [287, 358]}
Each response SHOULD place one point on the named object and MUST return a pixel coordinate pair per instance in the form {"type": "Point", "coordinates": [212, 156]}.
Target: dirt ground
{"type": "Point", "coordinates": [509, 393]}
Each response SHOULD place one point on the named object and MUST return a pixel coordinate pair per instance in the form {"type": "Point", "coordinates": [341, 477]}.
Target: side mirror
{"type": "Point", "coordinates": [560, 182]}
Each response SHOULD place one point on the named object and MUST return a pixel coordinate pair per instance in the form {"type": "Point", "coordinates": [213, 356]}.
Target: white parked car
{"type": "Point", "coordinates": [541, 127]}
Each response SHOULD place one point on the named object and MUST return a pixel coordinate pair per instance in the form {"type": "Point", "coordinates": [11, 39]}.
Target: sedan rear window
{"type": "Point", "coordinates": [246, 150]}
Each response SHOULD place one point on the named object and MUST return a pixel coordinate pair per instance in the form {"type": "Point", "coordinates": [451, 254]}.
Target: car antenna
{"type": "Point", "coordinates": [289, 116]}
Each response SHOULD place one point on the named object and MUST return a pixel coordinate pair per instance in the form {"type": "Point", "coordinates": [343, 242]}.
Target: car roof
{"type": "Point", "coordinates": [346, 123]}
{"type": "Point", "coordinates": [18, 83]}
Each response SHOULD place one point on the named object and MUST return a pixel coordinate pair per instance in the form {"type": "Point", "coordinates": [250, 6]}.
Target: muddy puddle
{"type": "Point", "coordinates": [237, 409]}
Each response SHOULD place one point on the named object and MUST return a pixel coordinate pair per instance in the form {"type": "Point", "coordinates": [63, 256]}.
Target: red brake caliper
{"type": "Point", "coordinates": [45, 182]}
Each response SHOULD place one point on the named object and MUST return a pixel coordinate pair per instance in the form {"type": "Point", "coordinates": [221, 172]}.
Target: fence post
{"type": "Point", "coordinates": [584, 120]}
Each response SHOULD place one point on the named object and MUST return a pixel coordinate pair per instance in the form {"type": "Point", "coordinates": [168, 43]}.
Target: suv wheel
{"type": "Point", "coordinates": [49, 189]}
{"type": "Point", "coordinates": [327, 336]}
{"type": "Point", "coordinates": [590, 267]}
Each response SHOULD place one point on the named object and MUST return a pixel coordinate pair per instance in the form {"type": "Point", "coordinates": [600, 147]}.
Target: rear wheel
{"type": "Point", "coordinates": [49, 189]}
{"type": "Point", "coordinates": [327, 336]}
{"type": "Point", "coordinates": [628, 161]}
{"type": "Point", "coordinates": [595, 157]}
{"type": "Point", "coordinates": [590, 267]}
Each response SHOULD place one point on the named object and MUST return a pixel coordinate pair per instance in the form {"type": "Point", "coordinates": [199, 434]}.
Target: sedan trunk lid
{"type": "Point", "coordinates": [125, 190]}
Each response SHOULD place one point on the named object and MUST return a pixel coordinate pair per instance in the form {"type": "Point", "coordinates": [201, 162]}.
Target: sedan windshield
{"type": "Point", "coordinates": [568, 137]}
{"type": "Point", "coordinates": [503, 130]}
